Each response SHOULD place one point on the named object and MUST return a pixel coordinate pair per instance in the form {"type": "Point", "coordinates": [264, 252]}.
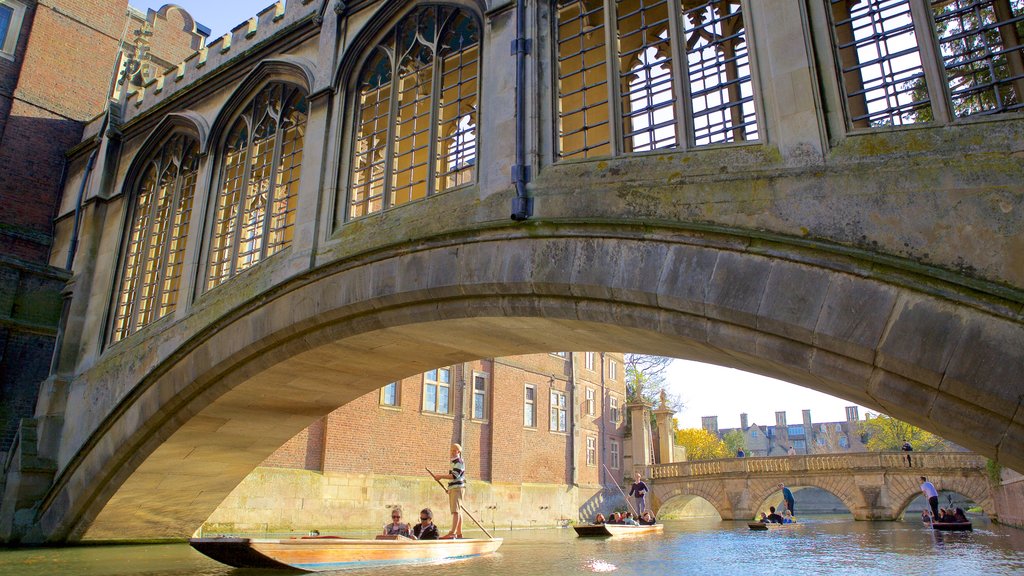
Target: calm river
{"type": "Point", "coordinates": [704, 547]}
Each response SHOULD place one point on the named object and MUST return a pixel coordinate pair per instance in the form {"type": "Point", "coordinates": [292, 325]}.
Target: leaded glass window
{"type": "Point", "coordinates": [158, 229]}
{"type": "Point", "coordinates": [258, 191]}
{"type": "Point", "coordinates": [416, 111]}
{"type": "Point", "coordinates": [622, 89]}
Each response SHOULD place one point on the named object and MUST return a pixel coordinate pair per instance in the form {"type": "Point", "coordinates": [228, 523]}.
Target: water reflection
{"type": "Point", "coordinates": [705, 547]}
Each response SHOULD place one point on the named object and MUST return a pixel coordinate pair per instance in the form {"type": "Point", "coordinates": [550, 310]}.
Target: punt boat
{"type": "Point", "coordinates": [323, 553]}
{"type": "Point", "coordinates": [951, 526]}
{"type": "Point", "coordinates": [617, 529]}
{"type": "Point", "coordinates": [768, 525]}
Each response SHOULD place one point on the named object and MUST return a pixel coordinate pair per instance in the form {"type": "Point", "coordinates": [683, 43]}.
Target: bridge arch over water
{"type": "Point", "coordinates": [837, 259]}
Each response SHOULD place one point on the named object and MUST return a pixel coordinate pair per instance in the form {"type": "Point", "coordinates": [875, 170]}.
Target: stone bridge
{"type": "Point", "coordinates": [872, 486]}
{"type": "Point", "coordinates": [315, 205]}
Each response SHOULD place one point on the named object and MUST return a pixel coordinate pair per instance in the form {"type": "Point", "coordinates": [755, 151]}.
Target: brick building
{"type": "Point", "coordinates": [538, 433]}
{"type": "Point", "coordinates": [57, 66]}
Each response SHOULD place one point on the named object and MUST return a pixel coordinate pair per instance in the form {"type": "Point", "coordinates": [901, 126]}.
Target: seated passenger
{"type": "Point", "coordinates": [944, 515]}
{"type": "Point", "coordinates": [787, 517]}
{"type": "Point", "coordinates": [926, 517]}
{"type": "Point", "coordinates": [425, 530]}
{"type": "Point", "coordinates": [599, 520]}
{"type": "Point", "coordinates": [647, 520]}
{"type": "Point", "coordinates": [959, 516]}
{"type": "Point", "coordinates": [615, 519]}
{"type": "Point", "coordinates": [773, 518]}
{"type": "Point", "coordinates": [397, 527]}
{"type": "Point", "coordinates": [629, 520]}
{"type": "Point", "coordinates": [764, 517]}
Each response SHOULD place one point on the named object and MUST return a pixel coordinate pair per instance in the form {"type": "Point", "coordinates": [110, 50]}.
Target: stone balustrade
{"type": "Point", "coordinates": [817, 463]}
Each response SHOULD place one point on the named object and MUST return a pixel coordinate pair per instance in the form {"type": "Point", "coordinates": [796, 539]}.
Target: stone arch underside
{"type": "Point", "coordinates": [904, 489]}
{"type": "Point", "coordinates": [842, 486]}
{"type": "Point", "coordinates": [669, 493]}
{"type": "Point", "coordinates": [190, 411]}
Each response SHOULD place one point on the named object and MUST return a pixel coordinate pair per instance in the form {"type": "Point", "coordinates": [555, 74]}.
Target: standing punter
{"type": "Point", "coordinates": [456, 490]}
{"type": "Point", "coordinates": [932, 495]}
{"type": "Point", "coordinates": [639, 490]}
{"type": "Point", "coordinates": [787, 496]}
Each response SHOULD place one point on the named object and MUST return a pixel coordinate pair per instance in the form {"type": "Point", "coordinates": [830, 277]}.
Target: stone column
{"type": "Point", "coordinates": [641, 432]}
{"type": "Point", "coordinates": [663, 418]}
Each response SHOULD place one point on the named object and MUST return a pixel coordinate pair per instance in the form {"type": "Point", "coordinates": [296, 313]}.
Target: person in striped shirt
{"type": "Point", "coordinates": [456, 490]}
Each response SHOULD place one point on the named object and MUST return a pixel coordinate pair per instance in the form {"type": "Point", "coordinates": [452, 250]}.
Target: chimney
{"type": "Point", "coordinates": [780, 419]}
{"type": "Point", "coordinates": [743, 422]}
{"type": "Point", "coordinates": [807, 423]}
{"type": "Point", "coordinates": [852, 414]}
{"type": "Point", "coordinates": [710, 423]}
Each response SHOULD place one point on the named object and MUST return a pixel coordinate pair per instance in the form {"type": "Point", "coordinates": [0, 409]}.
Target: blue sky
{"type": "Point", "coordinates": [706, 390]}
{"type": "Point", "coordinates": [218, 15]}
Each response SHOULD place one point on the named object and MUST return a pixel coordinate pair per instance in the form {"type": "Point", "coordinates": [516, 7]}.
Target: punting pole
{"type": "Point", "coordinates": [633, 510]}
{"type": "Point", "coordinates": [479, 525]}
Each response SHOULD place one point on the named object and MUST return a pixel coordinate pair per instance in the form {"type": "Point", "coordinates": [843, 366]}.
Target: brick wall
{"type": "Point", "coordinates": [365, 437]}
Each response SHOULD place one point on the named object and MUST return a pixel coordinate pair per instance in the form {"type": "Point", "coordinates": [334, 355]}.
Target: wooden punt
{"type": "Point", "coordinates": [951, 526]}
{"type": "Point", "coordinates": [617, 529]}
{"type": "Point", "coordinates": [768, 525]}
{"type": "Point", "coordinates": [319, 554]}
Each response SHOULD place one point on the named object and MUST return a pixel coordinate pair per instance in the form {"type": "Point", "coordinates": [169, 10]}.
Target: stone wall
{"type": "Point", "coordinates": [1009, 499]}
{"type": "Point", "coordinates": [290, 500]}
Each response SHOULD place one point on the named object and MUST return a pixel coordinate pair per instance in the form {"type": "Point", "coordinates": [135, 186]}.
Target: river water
{"type": "Point", "coordinates": [705, 547]}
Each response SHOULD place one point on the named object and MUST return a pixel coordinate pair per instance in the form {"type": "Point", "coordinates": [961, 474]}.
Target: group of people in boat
{"type": "Point", "coordinates": [946, 516]}
{"type": "Point", "coordinates": [774, 517]}
{"type": "Point", "coordinates": [426, 529]}
{"type": "Point", "coordinates": [645, 519]}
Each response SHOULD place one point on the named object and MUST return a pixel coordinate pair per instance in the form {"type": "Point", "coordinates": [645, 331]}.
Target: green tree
{"type": "Point", "coordinates": [735, 440]}
{"type": "Point", "coordinates": [885, 433]}
{"type": "Point", "coordinates": [701, 444]}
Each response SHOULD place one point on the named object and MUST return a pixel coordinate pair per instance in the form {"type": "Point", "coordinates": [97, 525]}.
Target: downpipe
{"type": "Point", "coordinates": [522, 205]}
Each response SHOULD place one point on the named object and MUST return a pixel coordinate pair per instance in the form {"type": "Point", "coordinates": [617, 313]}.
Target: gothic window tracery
{"type": "Point", "coordinates": [258, 192]}
{"type": "Point", "coordinates": [656, 102]}
{"type": "Point", "coordinates": [416, 111]}
{"type": "Point", "coordinates": [159, 225]}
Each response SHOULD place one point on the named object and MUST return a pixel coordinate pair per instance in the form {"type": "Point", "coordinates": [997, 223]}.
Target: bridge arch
{"type": "Point", "coordinates": [205, 402]}
{"type": "Point", "coordinates": [679, 497]}
{"type": "Point", "coordinates": [974, 489]}
{"type": "Point", "coordinates": [842, 488]}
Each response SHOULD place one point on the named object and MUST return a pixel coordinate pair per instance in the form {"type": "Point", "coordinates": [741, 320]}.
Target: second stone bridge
{"type": "Point", "coordinates": [872, 486]}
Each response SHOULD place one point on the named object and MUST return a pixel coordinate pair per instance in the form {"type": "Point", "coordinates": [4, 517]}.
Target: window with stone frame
{"type": "Point", "coordinates": [416, 111]}
{"type": "Point", "coordinates": [260, 163]}
{"type": "Point", "coordinates": [613, 409]}
{"type": "Point", "coordinates": [674, 75]}
{"type": "Point", "coordinates": [389, 395]}
{"type": "Point", "coordinates": [480, 392]}
{"type": "Point", "coordinates": [158, 229]}
{"type": "Point", "coordinates": [437, 391]}
{"type": "Point", "coordinates": [12, 15]}
{"type": "Point", "coordinates": [530, 406]}
{"type": "Point", "coordinates": [591, 451]}
{"type": "Point", "coordinates": [888, 79]}
{"type": "Point", "coordinates": [613, 454]}
{"type": "Point", "coordinates": [589, 403]}
{"type": "Point", "coordinates": [588, 361]}
{"type": "Point", "coordinates": [559, 420]}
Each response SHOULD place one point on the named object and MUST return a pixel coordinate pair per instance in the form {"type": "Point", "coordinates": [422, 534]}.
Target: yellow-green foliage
{"type": "Point", "coordinates": [701, 444]}
{"type": "Point", "coordinates": [885, 434]}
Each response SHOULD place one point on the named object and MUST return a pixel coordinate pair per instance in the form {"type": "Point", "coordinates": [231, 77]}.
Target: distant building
{"type": "Point", "coordinates": [808, 437]}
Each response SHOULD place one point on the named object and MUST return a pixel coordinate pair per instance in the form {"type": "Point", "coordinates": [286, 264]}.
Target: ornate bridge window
{"type": "Point", "coordinates": [971, 62]}
{"type": "Point", "coordinates": [160, 219]}
{"type": "Point", "coordinates": [655, 103]}
{"type": "Point", "coordinates": [416, 111]}
{"type": "Point", "coordinates": [261, 163]}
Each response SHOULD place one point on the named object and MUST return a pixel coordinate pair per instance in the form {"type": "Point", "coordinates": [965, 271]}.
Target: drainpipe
{"type": "Point", "coordinates": [601, 426]}
{"type": "Point", "coordinates": [522, 206]}
{"type": "Point", "coordinates": [572, 419]}
{"type": "Point", "coordinates": [73, 247]}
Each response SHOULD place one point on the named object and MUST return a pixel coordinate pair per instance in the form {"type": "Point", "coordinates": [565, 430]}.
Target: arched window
{"type": "Point", "coordinates": [159, 226]}
{"type": "Point", "coordinates": [256, 198]}
{"type": "Point", "coordinates": [682, 71]}
{"type": "Point", "coordinates": [416, 111]}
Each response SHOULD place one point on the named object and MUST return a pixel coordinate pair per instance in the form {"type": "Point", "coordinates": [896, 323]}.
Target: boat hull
{"type": "Point", "coordinates": [617, 529]}
{"type": "Point", "coordinates": [952, 526]}
{"type": "Point", "coordinates": [326, 553]}
{"type": "Point", "coordinates": [768, 525]}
